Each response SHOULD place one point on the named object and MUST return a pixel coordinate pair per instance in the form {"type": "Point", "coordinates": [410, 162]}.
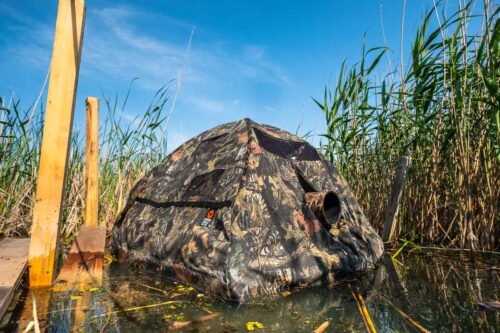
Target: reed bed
{"type": "Point", "coordinates": [443, 112]}
{"type": "Point", "coordinates": [128, 149]}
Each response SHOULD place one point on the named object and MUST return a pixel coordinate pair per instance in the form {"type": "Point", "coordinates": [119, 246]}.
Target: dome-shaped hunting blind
{"type": "Point", "coordinates": [244, 210]}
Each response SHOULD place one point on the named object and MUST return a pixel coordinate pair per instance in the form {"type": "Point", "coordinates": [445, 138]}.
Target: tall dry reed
{"type": "Point", "coordinates": [443, 112]}
{"type": "Point", "coordinates": [128, 150]}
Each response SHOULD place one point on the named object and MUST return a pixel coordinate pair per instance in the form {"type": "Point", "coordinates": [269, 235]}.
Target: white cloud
{"type": "Point", "coordinates": [114, 46]}
{"type": "Point", "coordinates": [117, 48]}
{"type": "Point", "coordinates": [269, 108]}
{"type": "Point", "coordinates": [257, 64]}
{"type": "Point", "coordinates": [205, 104]}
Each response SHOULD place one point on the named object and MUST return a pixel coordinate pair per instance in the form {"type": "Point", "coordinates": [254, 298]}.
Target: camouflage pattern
{"type": "Point", "coordinates": [230, 212]}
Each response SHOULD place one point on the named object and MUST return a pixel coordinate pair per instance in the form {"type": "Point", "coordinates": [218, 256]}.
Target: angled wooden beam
{"type": "Point", "coordinates": [63, 84]}
{"type": "Point", "coordinates": [92, 162]}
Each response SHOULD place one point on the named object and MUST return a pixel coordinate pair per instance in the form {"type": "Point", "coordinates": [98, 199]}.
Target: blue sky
{"type": "Point", "coordinates": [257, 59]}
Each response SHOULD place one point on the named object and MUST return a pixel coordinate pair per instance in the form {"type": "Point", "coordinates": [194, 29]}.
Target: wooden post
{"type": "Point", "coordinates": [83, 266]}
{"type": "Point", "coordinates": [396, 193]}
{"type": "Point", "coordinates": [56, 138]}
{"type": "Point", "coordinates": [92, 162]}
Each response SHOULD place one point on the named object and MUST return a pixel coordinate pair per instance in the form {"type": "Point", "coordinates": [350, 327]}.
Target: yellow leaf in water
{"type": "Point", "coordinates": [173, 307]}
{"type": "Point", "coordinates": [108, 259]}
{"type": "Point", "coordinates": [74, 297]}
{"type": "Point", "coordinates": [93, 289]}
{"type": "Point", "coordinates": [252, 325]}
{"type": "Point", "coordinates": [167, 316]}
{"type": "Point", "coordinates": [190, 288]}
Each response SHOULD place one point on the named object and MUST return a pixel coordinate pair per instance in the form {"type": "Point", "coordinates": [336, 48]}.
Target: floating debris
{"type": "Point", "coordinates": [183, 324]}
{"type": "Point", "coordinates": [405, 316]}
{"type": "Point", "coordinates": [252, 325]}
{"type": "Point", "coordinates": [135, 308]}
{"type": "Point", "coordinates": [322, 327]}
{"type": "Point", "coordinates": [364, 312]}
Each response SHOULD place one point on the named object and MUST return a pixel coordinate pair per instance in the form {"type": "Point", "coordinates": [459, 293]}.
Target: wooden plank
{"type": "Point", "coordinates": [92, 162]}
{"type": "Point", "coordinates": [13, 263]}
{"type": "Point", "coordinates": [396, 194]}
{"type": "Point", "coordinates": [83, 266]}
{"type": "Point", "coordinates": [56, 139]}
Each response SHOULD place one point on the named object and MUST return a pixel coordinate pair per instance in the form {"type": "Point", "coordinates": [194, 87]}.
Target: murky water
{"type": "Point", "coordinates": [437, 290]}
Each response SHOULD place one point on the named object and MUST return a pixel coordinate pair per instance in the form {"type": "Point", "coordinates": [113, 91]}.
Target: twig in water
{"type": "Point", "coordinates": [34, 323]}
{"type": "Point", "coordinates": [364, 312]}
{"type": "Point", "coordinates": [135, 308]}
{"type": "Point", "coordinates": [405, 316]}
{"type": "Point", "coordinates": [322, 327]}
{"type": "Point", "coordinates": [153, 288]}
{"type": "Point", "coordinates": [207, 310]}
{"type": "Point", "coordinates": [182, 324]}
{"type": "Point", "coordinates": [359, 308]}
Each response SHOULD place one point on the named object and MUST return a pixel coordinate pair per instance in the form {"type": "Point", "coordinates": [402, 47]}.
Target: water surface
{"type": "Point", "coordinates": [437, 289]}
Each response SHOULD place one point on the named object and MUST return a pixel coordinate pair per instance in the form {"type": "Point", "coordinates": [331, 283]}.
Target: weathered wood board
{"type": "Point", "coordinates": [13, 264]}
{"type": "Point", "coordinates": [396, 195]}
{"type": "Point", "coordinates": [83, 266]}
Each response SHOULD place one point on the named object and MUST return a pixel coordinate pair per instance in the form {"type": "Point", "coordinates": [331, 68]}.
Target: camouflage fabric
{"type": "Point", "coordinates": [246, 210]}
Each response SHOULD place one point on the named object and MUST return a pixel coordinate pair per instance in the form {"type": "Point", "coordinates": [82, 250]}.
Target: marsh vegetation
{"type": "Point", "coordinates": [442, 109]}
{"type": "Point", "coordinates": [129, 148]}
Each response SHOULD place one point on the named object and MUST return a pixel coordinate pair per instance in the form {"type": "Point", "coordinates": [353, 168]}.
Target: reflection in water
{"type": "Point", "coordinates": [438, 291]}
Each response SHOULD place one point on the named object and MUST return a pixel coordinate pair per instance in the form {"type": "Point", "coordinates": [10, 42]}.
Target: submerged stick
{"type": "Point", "coordinates": [363, 310]}
{"type": "Point", "coordinates": [164, 292]}
{"type": "Point", "coordinates": [35, 315]}
{"type": "Point", "coordinates": [406, 317]}
{"type": "Point", "coordinates": [360, 309]}
{"type": "Point", "coordinates": [135, 308]}
{"type": "Point", "coordinates": [371, 327]}
{"type": "Point", "coordinates": [322, 327]}
{"type": "Point", "coordinates": [183, 324]}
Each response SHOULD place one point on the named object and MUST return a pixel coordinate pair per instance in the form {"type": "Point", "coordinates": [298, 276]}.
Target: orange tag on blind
{"type": "Point", "coordinates": [208, 218]}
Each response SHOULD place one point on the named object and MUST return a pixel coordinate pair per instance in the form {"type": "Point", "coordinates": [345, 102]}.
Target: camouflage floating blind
{"type": "Point", "coordinates": [245, 210]}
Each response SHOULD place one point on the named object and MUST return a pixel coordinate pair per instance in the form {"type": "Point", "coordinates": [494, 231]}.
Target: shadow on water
{"type": "Point", "coordinates": [439, 291]}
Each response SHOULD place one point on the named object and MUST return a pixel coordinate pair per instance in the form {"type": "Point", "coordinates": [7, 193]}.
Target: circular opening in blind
{"type": "Point", "coordinates": [325, 205]}
{"type": "Point", "coordinates": [331, 208]}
